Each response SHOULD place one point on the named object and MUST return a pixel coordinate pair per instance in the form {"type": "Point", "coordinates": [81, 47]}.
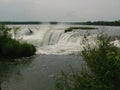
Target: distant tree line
{"type": "Point", "coordinates": [14, 22]}
{"type": "Point", "coordinates": [25, 22]}
{"type": "Point", "coordinates": [109, 23]}
{"type": "Point", "coordinates": [104, 23]}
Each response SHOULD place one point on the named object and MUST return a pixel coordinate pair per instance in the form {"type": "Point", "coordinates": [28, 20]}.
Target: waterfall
{"type": "Point", "coordinates": [50, 40]}
{"type": "Point", "coordinates": [52, 37]}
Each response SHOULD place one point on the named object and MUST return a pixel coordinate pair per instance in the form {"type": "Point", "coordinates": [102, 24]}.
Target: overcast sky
{"type": "Point", "coordinates": [59, 10]}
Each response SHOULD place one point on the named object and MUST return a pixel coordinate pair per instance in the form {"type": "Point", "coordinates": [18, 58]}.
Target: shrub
{"type": "Point", "coordinates": [27, 50]}
{"type": "Point", "coordinates": [11, 48]}
{"type": "Point", "coordinates": [103, 69]}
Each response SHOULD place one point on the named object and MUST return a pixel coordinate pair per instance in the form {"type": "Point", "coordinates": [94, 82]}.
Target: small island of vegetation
{"type": "Point", "coordinates": [81, 28]}
{"type": "Point", "coordinates": [11, 48]}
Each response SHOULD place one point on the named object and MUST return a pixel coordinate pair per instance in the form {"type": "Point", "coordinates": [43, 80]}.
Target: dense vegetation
{"type": "Point", "coordinates": [107, 23]}
{"type": "Point", "coordinates": [102, 71]}
{"type": "Point", "coordinates": [11, 48]}
{"type": "Point", "coordinates": [81, 28]}
{"type": "Point", "coordinates": [23, 22]}
{"type": "Point", "coordinates": [103, 23]}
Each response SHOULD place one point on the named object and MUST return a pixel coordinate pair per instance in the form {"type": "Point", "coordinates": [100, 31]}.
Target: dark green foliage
{"type": "Point", "coordinates": [11, 48]}
{"type": "Point", "coordinates": [104, 63]}
{"type": "Point", "coordinates": [19, 23]}
{"type": "Point", "coordinates": [103, 23]}
{"type": "Point", "coordinates": [27, 49]}
{"type": "Point", "coordinates": [14, 49]}
{"type": "Point", "coordinates": [53, 23]}
{"type": "Point", "coordinates": [108, 23]}
{"type": "Point", "coordinates": [102, 73]}
{"type": "Point", "coordinates": [82, 28]}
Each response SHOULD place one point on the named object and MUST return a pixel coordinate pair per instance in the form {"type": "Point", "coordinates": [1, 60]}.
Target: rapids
{"type": "Point", "coordinates": [51, 39]}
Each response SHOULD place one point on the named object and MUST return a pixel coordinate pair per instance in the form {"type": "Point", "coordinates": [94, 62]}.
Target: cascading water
{"type": "Point", "coordinates": [52, 37]}
{"type": "Point", "coordinates": [49, 40]}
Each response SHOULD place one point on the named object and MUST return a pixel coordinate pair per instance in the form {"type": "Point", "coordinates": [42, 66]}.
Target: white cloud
{"type": "Point", "coordinates": [59, 10]}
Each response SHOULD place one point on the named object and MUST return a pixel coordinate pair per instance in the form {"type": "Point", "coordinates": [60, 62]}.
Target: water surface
{"type": "Point", "coordinates": [36, 73]}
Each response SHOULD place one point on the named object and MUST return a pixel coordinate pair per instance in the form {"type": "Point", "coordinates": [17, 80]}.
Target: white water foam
{"type": "Point", "coordinates": [53, 40]}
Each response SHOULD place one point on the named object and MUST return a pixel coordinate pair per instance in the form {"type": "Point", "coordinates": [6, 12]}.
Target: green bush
{"type": "Point", "coordinates": [102, 73]}
{"type": "Point", "coordinates": [11, 48]}
{"type": "Point", "coordinates": [27, 50]}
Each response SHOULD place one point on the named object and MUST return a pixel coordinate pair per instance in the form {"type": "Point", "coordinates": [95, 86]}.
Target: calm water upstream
{"type": "Point", "coordinates": [56, 50]}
